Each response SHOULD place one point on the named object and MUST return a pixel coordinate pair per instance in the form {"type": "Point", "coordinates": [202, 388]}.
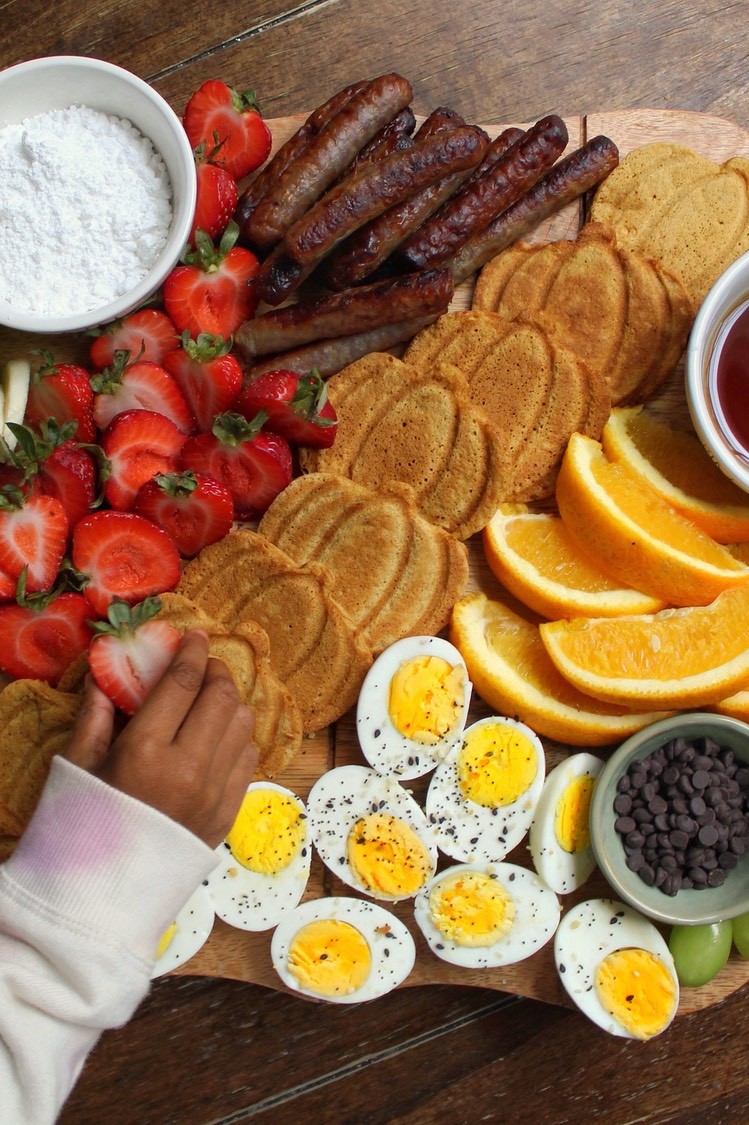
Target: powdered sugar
{"type": "Point", "coordinates": [85, 210]}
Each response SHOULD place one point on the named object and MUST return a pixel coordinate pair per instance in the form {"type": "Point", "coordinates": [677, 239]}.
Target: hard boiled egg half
{"type": "Point", "coordinates": [371, 833]}
{"type": "Point", "coordinates": [559, 838]}
{"type": "Point", "coordinates": [342, 950]}
{"type": "Point", "coordinates": [481, 800]}
{"type": "Point", "coordinates": [481, 916]}
{"type": "Point", "coordinates": [617, 968]}
{"type": "Point", "coordinates": [187, 934]}
{"type": "Point", "coordinates": [264, 861]}
{"type": "Point", "coordinates": [413, 706]}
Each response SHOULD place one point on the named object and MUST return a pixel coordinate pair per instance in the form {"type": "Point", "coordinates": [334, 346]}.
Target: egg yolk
{"type": "Point", "coordinates": [329, 957]}
{"type": "Point", "coordinates": [387, 856]}
{"type": "Point", "coordinates": [636, 988]}
{"type": "Point", "coordinates": [268, 832]}
{"type": "Point", "coordinates": [471, 909]}
{"type": "Point", "coordinates": [572, 815]}
{"type": "Point", "coordinates": [426, 698]}
{"type": "Point", "coordinates": [496, 765]}
{"type": "Point", "coordinates": [166, 940]}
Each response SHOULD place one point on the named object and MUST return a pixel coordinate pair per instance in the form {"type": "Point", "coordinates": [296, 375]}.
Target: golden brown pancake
{"type": "Point", "coordinates": [315, 648]}
{"type": "Point", "coordinates": [395, 572]}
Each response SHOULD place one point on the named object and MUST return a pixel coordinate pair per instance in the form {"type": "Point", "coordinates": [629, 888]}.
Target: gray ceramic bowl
{"type": "Point", "coordinates": [687, 907]}
{"type": "Point", "coordinates": [44, 84]}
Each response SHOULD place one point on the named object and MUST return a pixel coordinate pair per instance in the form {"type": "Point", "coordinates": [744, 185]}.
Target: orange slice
{"type": "Point", "coordinates": [676, 464]}
{"type": "Point", "coordinates": [635, 535]}
{"type": "Point", "coordinates": [511, 671]}
{"type": "Point", "coordinates": [536, 558]}
{"type": "Point", "coordinates": [672, 659]}
{"type": "Point", "coordinates": [736, 705]}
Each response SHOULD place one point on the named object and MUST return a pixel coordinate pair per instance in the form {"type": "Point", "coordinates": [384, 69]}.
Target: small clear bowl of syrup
{"type": "Point", "coordinates": [717, 372]}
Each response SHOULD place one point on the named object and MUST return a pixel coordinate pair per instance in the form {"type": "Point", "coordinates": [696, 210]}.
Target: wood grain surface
{"type": "Point", "coordinates": [202, 1050]}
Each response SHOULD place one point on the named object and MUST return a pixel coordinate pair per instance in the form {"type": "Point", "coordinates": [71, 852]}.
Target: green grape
{"type": "Point", "coordinates": [741, 934]}
{"type": "Point", "coordinates": [700, 952]}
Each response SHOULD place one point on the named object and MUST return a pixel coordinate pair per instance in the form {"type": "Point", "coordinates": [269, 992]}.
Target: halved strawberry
{"type": "Point", "coordinates": [297, 406]}
{"type": "Point", "coordinates": [121, 555]}
{"type": "Point", "coordinates": [138, 444]}
{"type": "Point", "coordinates": [217, 193]}
{"type": "Point", "coordinates": [146, 333]}
{"type": "Point", "coordinates": [41, 634]}
{"type": "Point", "coordinates": [61, 391]}
{"type": "Point", "coordinates": [194, 508]}
{"type": "Point", "coordinates": [254, 465]}
{"type": "Point", "coordinates": [33, 534]}
{"type": "Point", "coordinates": [208, 375]}
{"type": "Point", "coordinates": [51, 463]}
{"type": "Point", "coordinates": [130, 652]}
{"type": "Point", "coordinates": [213, 291]}
{"type": "Point", "coordinates": [138, 385]}
{"type": "Point", "coordinates": [217, 113]}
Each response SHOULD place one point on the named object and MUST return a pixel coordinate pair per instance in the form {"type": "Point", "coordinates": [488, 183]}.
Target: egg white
{"type": "Point", "coordinates": [385, 748]}
{"type": "Point", "coordinates": [562, 870]}
{"type": "Point", "coordinates": [391, 945]}
{"type": "Point", "coordinates": [252, 900]}
{"type": "Point", "coordinates": [345, 794]}
{"type": "Point", "coordinates": [473, 833]}
{"type": "Point", "coordinates": [592, 930]}
{"type": "Point", "coordinates": [194, 925]}
{"type": "Point", "coordinates": [536, 918]}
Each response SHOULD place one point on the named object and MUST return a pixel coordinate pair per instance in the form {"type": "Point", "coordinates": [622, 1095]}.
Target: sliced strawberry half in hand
{"type": "Point", "coordinates": [218, 113]}
{"type": "Point", "coordinates": [139, 385]}
{"type": "Point", "coordinates": [208, 375]}
{"type": "Point", "coordinates": [253, 464]}
{"type": "Point", "coordinates": [137, 444]}
{"type": "Point", "coordinates": [194, 508]}
{"type": "Point", "coordinates": [146, 334]}
{"type": "Point", "coordinates": [213, 291]}
{"type": "Point", "coordinates": [217, 193]}
{"type": "Point", "coordinates": [131, 651]}
{"type": "Point", "coordinates": [121, 555]}
{"type": "Point", "coordinates": [49, 462]}
{"type": "Point", "coordinates": [297, 406]}
{"type": "Point", "coordinates": [61, 391]}
{"type": "Point", "coordinates": [33, 535]}
{"type": "Point", "coordinates": [41, 634]}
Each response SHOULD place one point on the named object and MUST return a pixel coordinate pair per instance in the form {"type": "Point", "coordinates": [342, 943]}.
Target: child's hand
{"type": "Point", "coordinates": [188, 752]}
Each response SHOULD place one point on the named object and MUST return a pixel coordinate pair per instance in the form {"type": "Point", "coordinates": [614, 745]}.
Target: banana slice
{"type": "Point", "coordinates": [15, 376]}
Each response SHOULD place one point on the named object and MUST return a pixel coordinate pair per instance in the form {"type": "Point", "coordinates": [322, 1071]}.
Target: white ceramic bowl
{"type": "Point", "coordinates": [44, 84]}
{"type": "Point", "coordinates": [729, 292]}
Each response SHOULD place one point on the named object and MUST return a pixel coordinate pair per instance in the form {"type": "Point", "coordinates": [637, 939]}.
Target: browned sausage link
{"type": "Point", "coordinates": [440, 118]}
{"type": "Point", "coordinates": [375, 187]}
{"type": "Point", "coordinates": [563, 184]}
{"type": "Point", "coordinates": [470, 210]}
{"type": "Point", "coordinates": [388, 138]}
{"type": "Point", "coordinates": [370, 246]}
{"type": "Point", "coordinates": [278, 277]}
{"type": "Point", "coordinates": [344, 314]}
{"type": "Point", "coordinates": [325, 157]}
{"type": "Point", "coordinates": [329, 356]}
{"type": "Point", "coordinates": [288, 152]}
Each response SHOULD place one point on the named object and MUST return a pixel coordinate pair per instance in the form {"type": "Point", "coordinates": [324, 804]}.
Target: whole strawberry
{"type": "Point", "coordinates": [297, 406]}
{"type": "Point", "coordinates": [217, 193]}
{"type": "Point", "coordinates": [41, 634]}
{"type": "Point", "coordinates": [147, 334]}
{"type": "Point", "coordinates": [194, 508]}
{"type": "Point", "coordinates": [215, 114]}
{"type": "Point", "coordinates": [50, 462]}
{"type": "Point", "coordinates": [131, 651]}
{"type": "Point", "coordinates": [61, 391]}
{"type": "Point", "coordinates": [213, 291]}
{"type": "Point", "coordinates": [253, 464]}
{"type": "Point", "coordinates": [208, 375]}
{"type": "Point", "coordinates": [138, 385]}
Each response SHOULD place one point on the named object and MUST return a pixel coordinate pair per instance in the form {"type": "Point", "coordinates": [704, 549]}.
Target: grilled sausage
{"type": "Point", "coordinates": [395, 134]}
{"type": "Point", "coordinates": [519, 167]}
{"type": "Point", "coordinates": [325, 157]}
{"type": "Point", "coordinates": [345, 314]}
{"type": "Point", "coordinates": [329, 356]}
{"type": "Point", "coordinates": [375, 187]}
{"type": "Point", "coordinates": [278, 277]}
{"type": "Point", "coordinates": [564, 183]}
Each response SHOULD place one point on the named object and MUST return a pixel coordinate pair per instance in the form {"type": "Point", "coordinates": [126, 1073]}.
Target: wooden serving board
{"type": "Point", "coordinates": [237, 955]}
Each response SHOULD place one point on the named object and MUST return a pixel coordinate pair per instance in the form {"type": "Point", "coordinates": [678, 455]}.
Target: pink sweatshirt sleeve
{"type": "Point", "coordinates": [84, 899]}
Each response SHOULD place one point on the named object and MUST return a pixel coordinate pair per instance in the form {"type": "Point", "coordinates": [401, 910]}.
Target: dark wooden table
{"type": "Point", "coordinates": [202, 1051]}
